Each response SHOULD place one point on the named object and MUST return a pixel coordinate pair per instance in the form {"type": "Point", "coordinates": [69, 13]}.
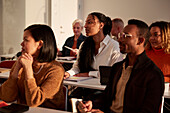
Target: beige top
{"type": "Point", "coordinates": [117, 104]}
{"type": "Point", "coordinates": [45, 89]}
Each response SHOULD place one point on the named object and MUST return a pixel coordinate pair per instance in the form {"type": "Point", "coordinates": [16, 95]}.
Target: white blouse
{"type": "Point", "coordinates": [108, 54]}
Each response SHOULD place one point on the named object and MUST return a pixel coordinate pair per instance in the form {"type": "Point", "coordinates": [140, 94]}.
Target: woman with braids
{"type": "Point", "coordinates": [97, 49]}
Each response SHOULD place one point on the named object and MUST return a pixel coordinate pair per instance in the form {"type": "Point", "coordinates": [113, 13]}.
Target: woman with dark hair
{"type": "Point", "coordinates": [98, 49]}
{"type": "Point", "coordinates": [36, 78]}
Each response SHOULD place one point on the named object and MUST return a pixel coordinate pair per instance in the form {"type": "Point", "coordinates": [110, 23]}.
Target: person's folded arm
{"type": "Point", "coordinates": [9, 90]}
{"type": "Point", "coordinates": [35, 95]}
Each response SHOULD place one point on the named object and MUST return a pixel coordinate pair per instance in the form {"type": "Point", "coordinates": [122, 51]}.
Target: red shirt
{"type": "Point", "coordinates": [74, 47]}
{"type": "Point", "coordinates": [162, 60]}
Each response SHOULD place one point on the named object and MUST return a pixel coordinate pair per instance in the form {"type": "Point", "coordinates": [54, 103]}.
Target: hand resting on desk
{"type": "Point", "coordinates": [66, 75]}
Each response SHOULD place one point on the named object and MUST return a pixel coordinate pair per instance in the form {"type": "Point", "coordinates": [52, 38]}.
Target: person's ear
{"type": "Point", "coordinates": [141, 40]}
{"type": "Point", "coordinates": [40, 44]}
{"type": "Point", "coordinates": [101, 25]}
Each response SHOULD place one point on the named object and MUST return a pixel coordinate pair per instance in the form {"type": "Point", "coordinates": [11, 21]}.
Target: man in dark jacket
{"type": "Point", "coordinates": [136, 84]}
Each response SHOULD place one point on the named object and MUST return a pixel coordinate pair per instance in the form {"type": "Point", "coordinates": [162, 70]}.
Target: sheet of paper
{"type": "Point", "coordinates": [77, 79]}
{"type": "Point", "coordinates": [2, 70]}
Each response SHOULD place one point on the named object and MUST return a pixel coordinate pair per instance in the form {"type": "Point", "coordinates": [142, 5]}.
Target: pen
{"type": "Point", "coordinates": [68, 48]}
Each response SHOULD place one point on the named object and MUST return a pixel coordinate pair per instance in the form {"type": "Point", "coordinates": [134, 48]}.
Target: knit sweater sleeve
{"type": "Point", "coordinates": [36, 94]}
{"type": "Point", "coordinates": [9, 89]}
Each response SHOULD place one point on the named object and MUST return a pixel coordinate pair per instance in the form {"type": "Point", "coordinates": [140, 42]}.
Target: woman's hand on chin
{"type": "Point", "coordinates": [26, 59]}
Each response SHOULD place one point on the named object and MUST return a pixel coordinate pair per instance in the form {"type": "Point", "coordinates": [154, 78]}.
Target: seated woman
{"type": "Point", "coordinates": [73, 42]}
{"type": "Point", "coordinates": [158, 50]}
{"type": "Point", "coordinates": [99, 49]}
{"type": "Point", "coordinates": [36, 78]}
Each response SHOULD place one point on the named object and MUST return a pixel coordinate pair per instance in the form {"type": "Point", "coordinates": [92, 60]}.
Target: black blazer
{"type": "Point", "coordinates": [69, 42]}
{"type": "Point", "coordinates": [144, 89]}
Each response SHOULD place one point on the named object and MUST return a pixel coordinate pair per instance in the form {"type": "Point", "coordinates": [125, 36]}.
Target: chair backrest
{"type": "Point", "coordinates": [7, 64]}
{"type": "Point", "coordinates": [161, 105]}
{"type": "Point", "coordinates": [104, 74]}
{"type": "Point", "coordinates": [65, 90]}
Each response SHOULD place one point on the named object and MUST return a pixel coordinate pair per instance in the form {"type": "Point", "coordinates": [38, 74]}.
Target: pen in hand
{"type": "Point", "coordinates": [69, 48]}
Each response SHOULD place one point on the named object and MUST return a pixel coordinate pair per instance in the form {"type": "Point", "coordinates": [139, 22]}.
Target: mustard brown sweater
{"type": "Point", "coordinates": [45, 89]}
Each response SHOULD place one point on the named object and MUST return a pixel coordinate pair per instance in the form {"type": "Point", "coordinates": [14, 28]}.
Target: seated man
{"type": "Point", "coordinates": [136, 83]}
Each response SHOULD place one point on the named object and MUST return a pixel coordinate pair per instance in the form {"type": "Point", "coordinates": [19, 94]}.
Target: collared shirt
{"type": "Point", "coordinates": [117, 104]}
{"type": "Point", "coordinates": [108, 54]}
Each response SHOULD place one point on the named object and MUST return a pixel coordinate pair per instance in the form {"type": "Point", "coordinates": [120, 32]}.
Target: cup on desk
{"type": "Point", "coordinates": [167, 87]}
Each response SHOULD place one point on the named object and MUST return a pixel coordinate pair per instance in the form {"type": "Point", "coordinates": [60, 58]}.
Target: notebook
{"type": "Point", "coordinates": [77, 79]}
{"type": "Point", "coordinates": [104, 74]}
{"type": "Point", "coordinates": [2, 70]}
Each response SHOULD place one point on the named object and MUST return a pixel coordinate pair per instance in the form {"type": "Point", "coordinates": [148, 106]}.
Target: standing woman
{"type": "Point", "coordinates": [158, 48]}
{"type": "Point", "coordinates": [36, 78]}
{"type": "Point", "coordinates": [98, 48]}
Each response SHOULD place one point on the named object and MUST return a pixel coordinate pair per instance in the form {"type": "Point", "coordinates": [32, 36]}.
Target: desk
{"type": "Point", "coordinates": [5, 75]}
{"type": "Point", "coordinates": [7, 56]}
{"type": "Point", "coordinates": [93, 83]}
{"type": "Point", "coordinates": [167, 94]}
{"type": "Point", "coordinates": [44, 110]}
{"type": "Point", "coordinates": [67, 59]}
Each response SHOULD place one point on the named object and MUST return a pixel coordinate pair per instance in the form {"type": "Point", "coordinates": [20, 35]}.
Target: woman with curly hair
{"type": "Point", "coordinates": [158, 47]}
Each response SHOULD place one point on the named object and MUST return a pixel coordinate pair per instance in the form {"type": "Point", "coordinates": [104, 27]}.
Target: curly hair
{"type": "Point", "coordinates": [165, 35]}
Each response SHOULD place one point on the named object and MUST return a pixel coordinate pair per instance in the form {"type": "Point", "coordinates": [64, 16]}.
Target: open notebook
{"type": "Point", "coordinates": [2, 70]}
{"type": "Point", "coordinates": [77, 79]}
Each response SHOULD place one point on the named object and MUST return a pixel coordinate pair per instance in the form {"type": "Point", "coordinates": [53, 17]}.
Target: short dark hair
{"type": "Point", "coordinates": [49, 49]}
{"type": "Point", "coordinates": [106, 20]}
{"type": "Point", "coordinates": [142, 27]}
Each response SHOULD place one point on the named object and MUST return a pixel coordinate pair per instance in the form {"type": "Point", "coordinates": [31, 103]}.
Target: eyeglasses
{"type": "Point", "coordinates": [124, 35]}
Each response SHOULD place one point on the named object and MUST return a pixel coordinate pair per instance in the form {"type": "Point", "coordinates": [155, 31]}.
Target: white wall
{"type": "Point", "coordinates": [15, 16]}
{"type": "Point", "coordinates": [35, 12]}
{"type": "Point", "coordinates": [13, 21]}
{"type": "Point", "coordinates": [147, 10]}
{"type": "Point", "coordinates": [64, 12]}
